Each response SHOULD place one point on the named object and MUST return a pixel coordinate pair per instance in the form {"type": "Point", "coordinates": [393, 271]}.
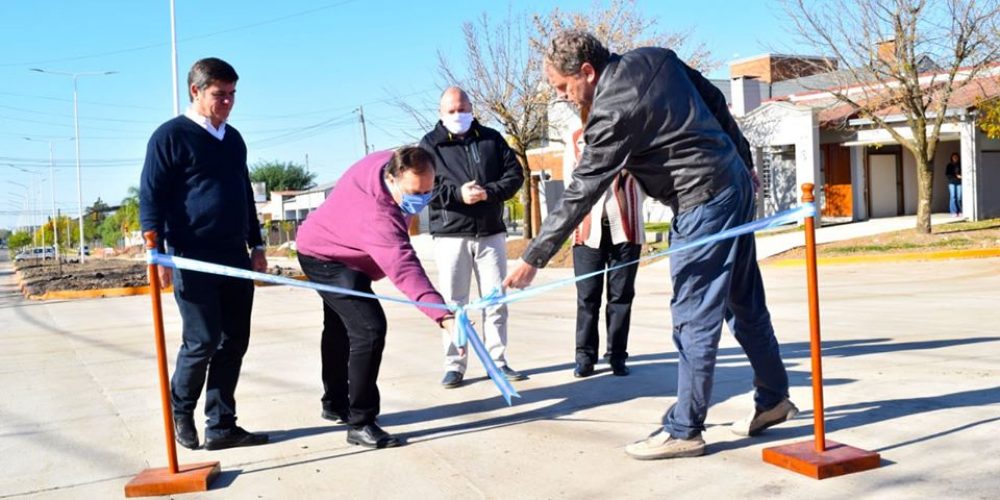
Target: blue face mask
{"type": "Point", "coordinates": [411, 204]}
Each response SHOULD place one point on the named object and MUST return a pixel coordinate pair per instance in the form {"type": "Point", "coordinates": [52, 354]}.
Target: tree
{"type": "Point", "coordinates": [117, 227]}
{"type": "Point", "coordinates": [282, 176]}
{"type": "Point", "coordinates": [19, 239]}
{"type": "Point", "coordinates": [884, 49]}
{"type": "Point", "coordinates": [622, 27]}
{"type": "Point", "coordinates": [287, 227]}
{"type": "Point", "coordinates": [989, 117]}
{"type": "Point", "coordinates": [504, 74]}
{"type": "Point", "coordinates": [98, 211]}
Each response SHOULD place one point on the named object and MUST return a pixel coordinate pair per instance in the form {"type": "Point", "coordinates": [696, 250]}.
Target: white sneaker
{"type": "Point", "coordinates": [663, 445]}
{"type": "Point", "coordinates": [758, 420]}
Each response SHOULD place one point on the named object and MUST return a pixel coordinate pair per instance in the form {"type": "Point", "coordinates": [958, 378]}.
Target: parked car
{"type": "Point", "coordinates": [36, 253]}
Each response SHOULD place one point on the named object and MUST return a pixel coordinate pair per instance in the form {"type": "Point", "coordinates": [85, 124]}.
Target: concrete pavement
{"type": "Point", "coordinates": [911, 364]}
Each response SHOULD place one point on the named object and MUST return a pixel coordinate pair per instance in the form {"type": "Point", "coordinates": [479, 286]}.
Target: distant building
{"type": "Point", "coordinates": [800, 134]}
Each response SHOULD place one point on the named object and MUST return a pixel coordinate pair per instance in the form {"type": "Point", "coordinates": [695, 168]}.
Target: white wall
{"type": "Point", "coordinates": [858, 184]}
{"type": "Point", "coordinates": [783, 124]}
{"type": "Point", "coordinates": [988, 176]}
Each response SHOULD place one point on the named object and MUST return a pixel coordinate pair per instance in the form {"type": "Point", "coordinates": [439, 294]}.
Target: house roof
{"type": "Point", "coordinates": [966, 96]}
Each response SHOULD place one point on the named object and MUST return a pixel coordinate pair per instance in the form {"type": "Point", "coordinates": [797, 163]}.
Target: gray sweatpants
{"type": "Point", "coordinates": [458, 257]}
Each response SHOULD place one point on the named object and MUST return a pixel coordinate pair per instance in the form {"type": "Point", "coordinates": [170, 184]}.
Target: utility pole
{"type": "Point", "coordinates": [52, 185]}
{"type": "Point", "coordinates": [364, 131]}
{"type": "Point", "coordinates": [173, 56]}
{"type": "Point", "coordinates": [76, 136]}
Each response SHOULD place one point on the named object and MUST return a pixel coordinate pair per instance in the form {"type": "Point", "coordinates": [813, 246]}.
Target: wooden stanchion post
{"type": "Point", "coordinates": [818, 458]}
{"type": "Point", "coordinates": [174, 478]}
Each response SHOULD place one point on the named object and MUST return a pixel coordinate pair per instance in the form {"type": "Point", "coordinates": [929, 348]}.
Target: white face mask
{"type": "Point", "coordinates": [457, 123]}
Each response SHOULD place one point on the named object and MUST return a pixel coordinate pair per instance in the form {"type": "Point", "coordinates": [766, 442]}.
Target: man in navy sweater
{"type": "Point", "coordinates": [195, 193]}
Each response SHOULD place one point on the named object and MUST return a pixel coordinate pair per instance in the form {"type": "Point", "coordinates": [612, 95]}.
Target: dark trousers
{"type": "Point", "coordinates": [712, 283]}
{"type": "Point", "coordinates": [621, 291]}
{"type": "Point", "coordinates": [354, 331]}
{"type": "Point", "coordinates": [215, 311]}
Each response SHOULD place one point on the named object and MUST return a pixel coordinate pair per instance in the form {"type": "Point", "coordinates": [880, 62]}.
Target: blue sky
{"type": "Point", "coordinates": [304, 67]}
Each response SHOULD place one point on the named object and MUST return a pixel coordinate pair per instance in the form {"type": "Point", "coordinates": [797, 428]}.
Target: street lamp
{"type": "Point", "coordinates": [76, 133]}
{"type": "Point", "coordinates": [27, 205]}
{"type": "Point", "coordinates": [52, 184]}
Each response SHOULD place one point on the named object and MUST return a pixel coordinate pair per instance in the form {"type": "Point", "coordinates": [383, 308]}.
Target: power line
{"type": "Point", "coordinates": [196, 37]}
{"type": "Point", "coordinates": [61, 115]}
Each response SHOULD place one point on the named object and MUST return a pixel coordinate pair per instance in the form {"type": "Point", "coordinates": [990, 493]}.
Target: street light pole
{"type": "Point", "coordinates": [27, 206]}
{"type": "Point", "coordinates": [173, 56]}
{"type": "Point", "coordinates": [76, 129]}
{"type": "Point", "coordinates": [52, 185]}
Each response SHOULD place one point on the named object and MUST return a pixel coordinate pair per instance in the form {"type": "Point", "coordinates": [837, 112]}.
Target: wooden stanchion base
{"type": "Point", "coordinates": [188, 479]}
{"type": "Point", "coordinates": [837, 460]}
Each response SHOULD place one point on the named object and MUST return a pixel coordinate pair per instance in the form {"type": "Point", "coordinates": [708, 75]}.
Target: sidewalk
{"type": "Point", "coordinates": [80, 414]}
{"type": "Point", "coordinates": [768, 245]}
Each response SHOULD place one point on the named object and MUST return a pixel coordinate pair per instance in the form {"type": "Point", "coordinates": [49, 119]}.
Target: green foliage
{"type": "Point", "coordinates": [282, 176]}
{"type": "Point", "coordinates": [98, 211]}
{"type": "Point", "coordinates": [69, 232]}
{"type": "Point", "coordinates": [989, 118]}
{"type": "Point", "coordinates": [115, 227]}
{"type": "Point", "coordinates": [658, 227]}
{"type": "Point", "coordinates": [19, 239]}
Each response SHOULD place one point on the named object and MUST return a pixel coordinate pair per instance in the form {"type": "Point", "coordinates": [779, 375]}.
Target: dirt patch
{"type": "Point", "coordinates": [957, 236]}
{"type": "Point", "coordinates": [94, 274]}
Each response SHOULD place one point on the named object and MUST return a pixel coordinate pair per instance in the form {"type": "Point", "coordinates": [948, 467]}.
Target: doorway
{"type": "Point", "coordinates": [885, 184]}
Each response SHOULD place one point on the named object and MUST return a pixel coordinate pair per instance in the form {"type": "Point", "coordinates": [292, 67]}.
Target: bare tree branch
{"type": "Point", "coordinates": [902, 57]}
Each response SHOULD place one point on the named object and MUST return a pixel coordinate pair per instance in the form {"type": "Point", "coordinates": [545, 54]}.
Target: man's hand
{"type": "Point", "coordinates": [449, 325]}
{"type": "Point", "coordinates": [258, 260]}
{"type": "Point", "coordinates": [756, 180]}
{"type": "Point", "coordinates": [522, 276]}
{"type": "Point", "coordinates": [473, 193]}
{"type": "Point", "coordinates": [166, 276]}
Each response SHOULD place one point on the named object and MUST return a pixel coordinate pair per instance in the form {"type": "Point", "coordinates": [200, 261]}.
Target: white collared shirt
{"type": "Point", "coordinates": [206, 123]}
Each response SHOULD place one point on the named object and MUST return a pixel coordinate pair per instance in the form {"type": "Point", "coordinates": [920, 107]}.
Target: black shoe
{"type": "Point", "coordinates": [512, 374]}
{"type": "Point", "coordinates": [452, 380]}
{"type": "Point", "coordinates": [372, 436]}
{"type": "Point", "coordinates": [583, 370]}
{"type": "Point", "coordinates": [618, 368]}
{"type": "Point", "coordinates": [339, 415]}
{"type": "Point", "coordinates": [185, 432]}
{"type": "Point", "coordinates": [233, 438]}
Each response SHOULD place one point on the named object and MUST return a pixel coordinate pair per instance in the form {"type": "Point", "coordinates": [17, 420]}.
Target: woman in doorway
{"type": "Point", "coordinates": [954, 174]}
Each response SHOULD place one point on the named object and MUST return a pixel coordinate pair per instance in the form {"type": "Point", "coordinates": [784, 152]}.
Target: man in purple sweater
{"type": "Point", "coordinates": [359, 235]}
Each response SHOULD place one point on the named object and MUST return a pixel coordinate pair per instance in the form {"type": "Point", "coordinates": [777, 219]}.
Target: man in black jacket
{"type": "Point", "coordinates": [476, 172]}
{"type": "Point", "coordinates": [670, 128]}
{"type": "Point", "coordinates": [195, 193]}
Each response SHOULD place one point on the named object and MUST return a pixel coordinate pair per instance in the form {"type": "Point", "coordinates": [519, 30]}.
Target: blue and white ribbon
{"type": "Point", "coordinates": [465, 333]}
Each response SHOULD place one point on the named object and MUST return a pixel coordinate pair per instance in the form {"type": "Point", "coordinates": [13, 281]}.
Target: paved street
{"type": "Point", "coordinates": [912, 365]}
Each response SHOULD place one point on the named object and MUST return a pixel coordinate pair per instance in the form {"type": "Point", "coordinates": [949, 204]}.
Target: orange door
{"type": "Point", "coordinates": [837, 174]}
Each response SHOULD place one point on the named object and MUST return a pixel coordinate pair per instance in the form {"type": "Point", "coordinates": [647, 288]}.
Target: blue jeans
{"type": "Point", "coordinates": [955, 195]}
{"type": "Point", "coordinates": [716, 282]}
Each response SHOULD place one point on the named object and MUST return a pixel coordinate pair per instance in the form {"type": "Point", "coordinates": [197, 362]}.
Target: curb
{"type": "Point", "coordinates": [106, 292]}
{"type": "Point", "coordinates": [95, 293]}
{"type": "Point", "coordinates": [897, 257]}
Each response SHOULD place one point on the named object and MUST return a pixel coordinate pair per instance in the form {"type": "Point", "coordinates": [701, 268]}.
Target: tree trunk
{"type": "Point", "coordinates": [527, 196]}
{"type": "Point", "coordinates": [527, 199]}
{"type": "Point", "coordinates": [925, 183]}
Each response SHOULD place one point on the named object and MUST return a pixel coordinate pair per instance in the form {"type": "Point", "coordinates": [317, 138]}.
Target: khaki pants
{"type": "Point", "coordinates": [458, 257]}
